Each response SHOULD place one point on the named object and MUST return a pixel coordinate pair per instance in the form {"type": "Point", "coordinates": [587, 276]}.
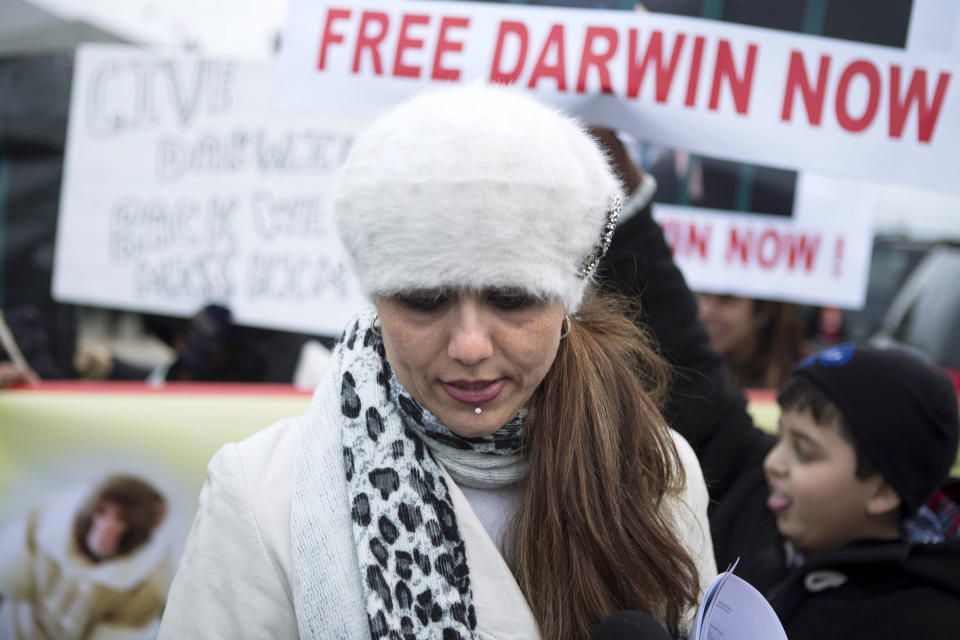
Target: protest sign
{"type": "Point", "coordinates": [817, 256]}
{"type": "Point", "coordinates": [184, 186]}
{"type": "Point", "coordinates": [755, 95]}
{"type": "Point", "coordinates": [762, 232]}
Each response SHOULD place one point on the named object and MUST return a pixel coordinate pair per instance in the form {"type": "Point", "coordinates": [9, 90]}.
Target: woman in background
{"type": "Point", "coordinates": [760, 339]}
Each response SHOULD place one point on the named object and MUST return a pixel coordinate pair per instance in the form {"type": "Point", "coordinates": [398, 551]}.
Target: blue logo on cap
{"type": "Point", "coordinates": [835, 356]}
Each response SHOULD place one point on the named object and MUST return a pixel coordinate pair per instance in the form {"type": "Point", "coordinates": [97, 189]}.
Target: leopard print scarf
{"type": "Point", "coordinates": [412, 558]}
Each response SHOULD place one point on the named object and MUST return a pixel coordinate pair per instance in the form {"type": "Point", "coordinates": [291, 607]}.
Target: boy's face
{"type": "Point", "coordinates": [819, 502]}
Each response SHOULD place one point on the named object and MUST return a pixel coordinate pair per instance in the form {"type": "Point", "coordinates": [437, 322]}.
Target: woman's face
{"type": "Point", "coordinates": [457, 351]}
{"type": "Point", "coordinates": [729, 321]}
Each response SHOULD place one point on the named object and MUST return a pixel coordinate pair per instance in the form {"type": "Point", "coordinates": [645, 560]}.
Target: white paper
{"type": "Point", "coordinates": [732, 609]}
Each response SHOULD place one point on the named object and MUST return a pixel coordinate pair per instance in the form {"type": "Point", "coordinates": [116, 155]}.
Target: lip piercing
{"type": "Point", "coordinates": [478, 411]}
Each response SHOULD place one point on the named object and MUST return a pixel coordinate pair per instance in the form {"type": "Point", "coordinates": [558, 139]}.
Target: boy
{"type": "Point", "coordinates": [829, 519]}
{"type": "Point", "coordinates": [832, 523]}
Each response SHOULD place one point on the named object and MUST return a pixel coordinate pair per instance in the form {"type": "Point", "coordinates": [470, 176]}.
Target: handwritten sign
{"type": "Point", "coordinates": [183, 186]}
{"type": "Point", "coordinates": [719, 89]}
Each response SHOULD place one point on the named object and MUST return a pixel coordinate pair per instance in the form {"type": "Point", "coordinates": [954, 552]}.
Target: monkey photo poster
{"type": "Point", "coordinates": [98, 487]}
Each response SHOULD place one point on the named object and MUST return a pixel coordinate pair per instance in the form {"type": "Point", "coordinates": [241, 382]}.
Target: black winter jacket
{"type": "Point", "coordinates": [870, 589]}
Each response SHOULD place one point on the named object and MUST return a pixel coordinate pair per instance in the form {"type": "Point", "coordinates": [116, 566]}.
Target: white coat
{"type": "Point", "coordinates": [235, 578]}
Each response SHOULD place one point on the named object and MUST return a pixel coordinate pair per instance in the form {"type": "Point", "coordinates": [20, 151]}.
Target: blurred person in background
{"type": "Point", "coordinates": [29, 349]}
{"type": "Point", "coordinates": [208, 350]}
{"type": "Point", "coordinates": [206, 347]}
{"type": "Point", "coordinates": [760, 339]}
{"type": "Point", "coordinates": [12, 375]}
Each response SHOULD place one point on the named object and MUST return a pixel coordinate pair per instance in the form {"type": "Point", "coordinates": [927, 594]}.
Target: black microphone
{"type": "Point", "coordinates": [630, 625]}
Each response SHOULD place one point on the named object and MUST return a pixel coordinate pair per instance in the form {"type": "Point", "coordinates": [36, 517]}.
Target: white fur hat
{"type": "Point", "coordinates": [476, 187]}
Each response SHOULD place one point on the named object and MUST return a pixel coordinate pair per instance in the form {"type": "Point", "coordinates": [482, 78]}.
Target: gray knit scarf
{"type": "Point", "coordinates": [412, 558]}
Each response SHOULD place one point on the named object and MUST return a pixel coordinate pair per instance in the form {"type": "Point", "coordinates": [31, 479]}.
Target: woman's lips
{"type": "Point", "coordinates": [778, 503]}
{"type": "Point", "coordinates": [474, 391]}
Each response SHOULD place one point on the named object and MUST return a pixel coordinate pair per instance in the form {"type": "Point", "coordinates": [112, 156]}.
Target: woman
{"type": "Point", "coordinates": [760, 339]}
{"type": "Point", "coordinates": [485, 458]}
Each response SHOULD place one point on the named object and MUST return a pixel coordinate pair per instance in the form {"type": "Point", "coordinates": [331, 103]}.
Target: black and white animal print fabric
{"type": "Point", "coordinates": [503, 442]}
{"type": "Point", "coordinates": [412, 558]}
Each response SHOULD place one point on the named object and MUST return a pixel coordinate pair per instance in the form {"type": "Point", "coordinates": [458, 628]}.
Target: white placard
{"type": "Point", "coordinates": [814, 257]}
{"type": "Point", "coordinates": [183, 186]}
{"type": "Point", "coordinates": [731, 91]}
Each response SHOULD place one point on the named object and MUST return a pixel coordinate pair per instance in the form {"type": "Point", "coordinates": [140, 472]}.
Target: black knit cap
{"type": "Point", "coordinates": [902, 411]}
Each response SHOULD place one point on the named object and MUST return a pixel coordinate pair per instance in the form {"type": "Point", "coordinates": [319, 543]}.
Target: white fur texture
{"type": "Point", "coordinates": [474, 187]}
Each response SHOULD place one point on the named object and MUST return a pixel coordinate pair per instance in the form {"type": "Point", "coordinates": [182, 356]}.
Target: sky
{"type": "Point", "coordinates": [249, 29]}
{"type": "Point", "coordinates": [240, 28]}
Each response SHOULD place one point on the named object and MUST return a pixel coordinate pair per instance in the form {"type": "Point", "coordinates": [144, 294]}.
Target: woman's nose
{"type": "Point", "coordinates": [470, 339]}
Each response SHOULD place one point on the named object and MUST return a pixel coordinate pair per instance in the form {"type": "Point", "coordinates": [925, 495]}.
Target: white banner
{"type": "Point", "coordinates": [183, 186]}
{"type": "Point", "coordinates": [755, 95]}
{"type": "Point", "coordinates": [815, 257]}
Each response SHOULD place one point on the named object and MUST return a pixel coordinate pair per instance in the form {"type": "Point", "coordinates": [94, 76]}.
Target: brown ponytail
{"type": "Point", "coordinates": [591, 536]}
